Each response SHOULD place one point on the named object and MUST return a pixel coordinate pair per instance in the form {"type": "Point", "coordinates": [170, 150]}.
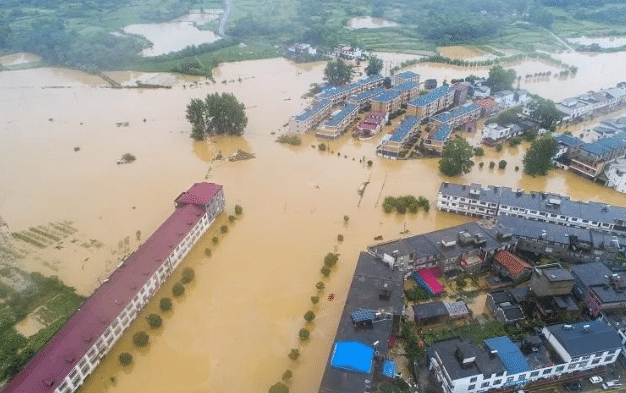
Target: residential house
{"type": "Point", "coordinates": [431, 103]}
{"type": "Point", "coordinates": [615, 173]}
{"type": "Point", "coordinates": [407, 90]}
{"type": "Point", "coordinates": [511, 267]}
{"type": "Point", "coordinates": [489, 107]}
{"type": "Point", "coordinates": [310, 117]}
{"type": "Point", "coordinates": [348, 52]}
{"type": "Point", "coordinates": [430, 84]}
{"type": "Point", "coordinates": [590, 159]}
{"type": "Point", "coordinates": [495, 133]}
{"type": "Point", "coordinates": [504, 98]}
{"type": "Point", "coordinates": [437, 138]}
{"type": "Point", "coordinates": [365, 98]}
{"type": "Point", "coordinates": [599, 288]}
{"type": "Point", "coordinates": [371, 125]}
{"type": "Point", "coordinates": [433, 313]}
{"type": "Point", "coordinates": [392, 145]}
{"type": "Point", "coordinates": [551, 280]}
{"type": "Point", "coordinates": [591, 102]}
{"type": "Point", "coordinates": [464, 115]}
{"type": "Point", "coordinates": [337, 124]}
{"type": "Point", "coordinates": [481, 90]}
{"type": "Point", "coordinates": [388, 101]}
{"type": "Point", "coordinates": [504, 307]}
{"type": "Point", "coordinates": [405, 77]}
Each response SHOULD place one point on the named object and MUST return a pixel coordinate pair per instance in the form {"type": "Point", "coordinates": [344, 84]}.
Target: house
{"type": "Point", "coordinates": [460, 116]}
{"type": "Point", "coordinates": [489, 107]}
{"type": "Point", "coordinates": [426, 278]}
{"type": "Point", "coordinates": [504, 307]}
{"type": "Point", "coordinates": [481, 90]}
{"type": "Point", "coordinates": [405, 77]}
{"type": "Point", "coordinates": [431, 103]}
{"type": "Point", "coordinates": [388, 102]}
{"type": "Point", "coordinates": [370, 316]}
{"type": "Point", "coordinates": [300, 49]}
{"type": "Point", "coordinates": [591, 102]}
{"type": "Point", "coordinates": [437, 138]}
{"type": "Point", "coordinates": [430, 84]}
{"type": "Point", "coordinates": [365, 98]}
{"type": "Point", "coordinates": [551, 280]}
{"type": "Point", "coordinates": [371, 126]}
{"type": "Point", "coordinates": [598, 287]}
{"type": "Point", "coordinates": [339, 121]}
{"type": "Point", "coordinates": [348, 52]}
{"type": "Point", "coordinates": [462, 367]}
{"type": "Point", "coordinates": [336, 94]}
{"type": "Point", "coordinates": [494, 133]}
{"type": "Point", "coordinates": [407, 90]}
{"type": "Point", "coordinates": [392, 145]}
{"type": "Point", "coordinates": [461, 92]}
{"type": "Point", "coordinates": [590, 159]}
{"type": "Point", "coordinates": [439, 312]}
{"type": "Point", "coordinates": [504, 98]}
{"type": "Point", "coordinates": [615, 173]}
{"type": "Point", "coordinates": [63, 364]}
{"type": "Point", "coordinates": [511, 267]}
{"type": "Point", "coordinates": [310, 117]}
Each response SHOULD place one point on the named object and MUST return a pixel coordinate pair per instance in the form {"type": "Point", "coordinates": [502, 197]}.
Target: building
{"type": "Point", "coordinates": [591, 102]}
{"type": "Point", "coordinates": [439, 312]}
{"type": "Point", "coordinates": [73, 353]}
{"type": "Point", "coordinates": [590, 159]}
{"type": "Point", "coordinates": [462, 367]}
{"type": "Point", "coordinates": [430, 84]}
{"type": "Point", "coordinates": [494, 133]}
{"type": "Point", "coordinates": [426, 278]}
{"type": "Point", "coordinates": [337, 124]}
{"type": "Point", "coordinates": [615, 173]}
{"type": "Point", "coordinates": [365, 98]}
{"type": "Point", "coordinates": [437, 138]}
{"type": "Point", "coordinates": [490, 202]}
{"type": "Point", "coordinates": [504, 307]}
{"type": "Point", "coordinates": [551, 280]}
{"type": "Point", "coordinates": [348, 52]}
{"type": "Point", "coordinates": [405, 77]}
{"type": "Point", "coordinates": [511, 267]}
{"type": "Point", "coordinates": [488, 107]}
{"type": "Point", "coordinates": [504, 98]}
{"type": "Point", "coordinates": [369, 318]}
{"type": "Point", "coordinates": [335, 94]}
{"type": "Point", "coordinates": [481, 90]}
{"type": "Point", "coordinates": [371, 126]}
{"type": "Point", "coordinates": [431, 103]}
{"type": "Point", "coordinates": [392, 145]}
{"type": "Point", "coordinates": [459, 116]}
{"type": "Point", "coordinates": [599, 288]}
{"type": "Point", "coordinates": [388, 102]}
{"type": "Point", "coordinates": [407, 90]}
{"type": "Point", "coordinates": [461, 92]}
{"type": "Point", "coordinates": [310, 117]}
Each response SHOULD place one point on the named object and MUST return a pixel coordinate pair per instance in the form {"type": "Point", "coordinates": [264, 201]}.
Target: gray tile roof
{"type": "Point", "coordinates": [484, 364]}
{"type": "Point", "coordinates": [599, 337]}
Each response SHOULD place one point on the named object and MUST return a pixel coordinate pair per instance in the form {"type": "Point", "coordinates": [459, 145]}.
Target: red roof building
{"type": "Point", "coordinates": [64, 362]}
{"type": "Point", "coordinates": [511, 266]}
{"type": "Point", "coordinates": [489, 106]}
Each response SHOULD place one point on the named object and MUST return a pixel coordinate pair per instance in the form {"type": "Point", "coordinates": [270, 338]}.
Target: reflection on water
{"type": "Point", "coordinates": [233, 330]}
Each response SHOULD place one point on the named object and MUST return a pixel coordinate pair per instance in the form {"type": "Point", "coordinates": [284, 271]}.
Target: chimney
{"type": "Point", "coordinates": [586, 329]}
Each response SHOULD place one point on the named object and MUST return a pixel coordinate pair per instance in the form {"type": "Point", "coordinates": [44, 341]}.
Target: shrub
{"type": "Point", "coordinates": [516, 168]}
{"type": "Point", "coordinates": [287, 375]}
{"type": "Point", "coordinates": [126, 358]}
{"type": "Point", "coordinates": [346, 218]}
{"type": "Point", "coordinates": [294, 354]}
{"type": "Point", "coordinates": [141, 339]}
{"type": "Point", "coordinates": [165, 304]}
{"type": "Point", "coordinates": [514, 141]}
{"type": "Point", "coordinates": [231, 218]}
{"type": "Point", "coordinates": [215, 239]}
{"type": "Point", "coordinates": [499, 147]}
{"type": "Point", "coordinates": [154, 320]}
{"type": "Point", "coordinates": [315, 299]}
{"type": "Point", "coordinates": [304, 334]}
{"type": "Point", "coordinates": [224, 228]}
{"type": "Point", "coordinates": [325, 271]}
{"type": "Point", "coordinates": [340, 237]}
{"type": "Point", "coordinates": [479, 151]}
{"type": "Point", "coordinates": [492, 165]}
{"type": "Point", "coordinates": [279, 387]}
{"type": "Point", "coordinates": [481, 165]}
{"type": "Point", "coordinates": [369, 163]}
{"type": "Point", "coordinates": [290, 139]}
{"type": "Point", "coordinates": [178, 289]}
{"type": "Point", "coordinates": [460, 282]}
{"type": "Point", "coordinates": [238, 210]}
{"type": "Point", "coordinates": [321, 147]}
{"type": "Point", "coordinates": [502, 164]}
{"type": "Point", "coordinates": [188, 275]}
{"type": "Point", "coordinates": [331, 259]}
{"type": "Point", "coordinates": [309, 316]}
{"type": "Point", "coordinates": [320, 286]}
{"type": "Point", "coordinates": [207, 252]}
{"type": "Point", "coordinates": [128, 157]}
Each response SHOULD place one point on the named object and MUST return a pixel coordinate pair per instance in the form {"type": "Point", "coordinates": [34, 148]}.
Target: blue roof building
{"type": "Point", "coordinates": [312, 110]}
{"type": "Point", "coordinates": [366, 96]}
{"type": "Point", "coordinates": [405, 128]}
{"type": "Point", "coordinates": [509, 354]}
{"type": "Point", "coordinates": [342, 115]}
{"type": "Point", "coordinates": [387, 96]}
{"type": "Point", "coordinates": [391, 146]}
{"type": "Point", "coordinates": [442, 134]}
{"type": "Point", "coordinates": [433, 102]}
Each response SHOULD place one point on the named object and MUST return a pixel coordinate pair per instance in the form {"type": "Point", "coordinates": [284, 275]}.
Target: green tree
{"type": "Point", "coordinates": [315, 299]}
{"type": "Point", "coordinates": [141, 339]}
{"type": "Point", "coordinates": [502, 164]}
{"type": "Point", "coordinates": [217, 114]}
{"type": "Point", "coordinates": [337, 72]}
{"type": "Point", "coordinates": [238, 210]}
{"type": "Point", "coordinates": [374, 66]}
{"type": "Point", "coordinates": [125, 358]}
{"type": "Point", "coordinates": [208, 252]}
{"type": "Point", "coordinates": [154, 320]}
{"type": "Point", "coordinates": [178, 289]}
{"type": "Point", "coordinates": [492, 164]}
{"type": "Point", "coordinates": [224, 228]}
{"type": "Point", "coordinates": [165, 304]}
{"type": "Point", "coordinates": [294, 354]}
{"type": "Point", "coordinates": [309, 316]}
{"type": "Point", "coordinates": [304, 334]}
{"type": "Point", "coordinates": [325, 271]}
{"type": "Point", "coordinates": [188, 275]}
{"type": "Point", "coordinates": [287, 375]}
{"type": "Point", "coordinates": [545, 112]}
{"type": "Point", "coordinates": [501, 79]}
{"type": "Point", "coordinates": [479, 151]}
{"type": "Point", "coordinates": [538, 158]}
{"type": "Point", "coordinates": [331, 259]}
{"type": "Point", "coordinates": [195, 115]}
{"type": "Point", "coordinates": [346, 218]}
{"type": "Point", "coordinates": [456, 158]}
{"type": "Point", "coordinates": [320, 286]}
{"type": "Point", "coordinates": [340, 237]}
{"type": "Point", "coordinates": [279, 387]}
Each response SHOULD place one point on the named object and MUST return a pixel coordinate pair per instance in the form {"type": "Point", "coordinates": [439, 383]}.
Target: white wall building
{"type": "Point", "coordinates": [616, 175]}
{"type": "Point", "coordinates": [496, 132]}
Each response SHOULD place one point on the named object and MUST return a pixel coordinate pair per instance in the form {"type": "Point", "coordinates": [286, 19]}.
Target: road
{"type": "Point", "coordinates": [561, 41]}
{"type": "Point", "coordinates": [221, 29]}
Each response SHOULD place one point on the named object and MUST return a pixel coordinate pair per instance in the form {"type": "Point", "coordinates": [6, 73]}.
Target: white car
{"type": "Point", "coordinates": [595, 379]}
{"type": "Point", "coordinates": [610, 385]}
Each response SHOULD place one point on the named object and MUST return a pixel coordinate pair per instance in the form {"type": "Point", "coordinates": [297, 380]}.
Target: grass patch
{"type": "Point", "coordinates": [475, 332]}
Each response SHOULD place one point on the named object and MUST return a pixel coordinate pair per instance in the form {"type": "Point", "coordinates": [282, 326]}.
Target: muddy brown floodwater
{"type": "Point", "coordinates": [235, 325]}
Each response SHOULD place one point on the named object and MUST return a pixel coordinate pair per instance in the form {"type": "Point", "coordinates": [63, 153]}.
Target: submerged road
{"type": "Point", "coordinates": [221, 29]}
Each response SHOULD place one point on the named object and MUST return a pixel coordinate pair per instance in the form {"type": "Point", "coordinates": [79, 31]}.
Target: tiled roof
{"type": "Point", "coordinates": [338, 118]}
{"type": "Point", "coordinates": [442, 133]}
{"type": "Point", "coordinates": [511, 263]}
{"type": "Point", "coordinates": [407, 125]}
{"type": "Point", "coordinates": [580, 341]}
{"type": "Point", "coordinates": [387, 96]}
{"type": "Point", "coordinates": [431, 97]}
{"type": "Point", "coordinates": [312, 111]}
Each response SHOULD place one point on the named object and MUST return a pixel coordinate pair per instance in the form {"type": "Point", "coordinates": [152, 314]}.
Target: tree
{"type": "Point", "coordinates": [502, 164]}
{"type": "Point", "coordinates": [208, 252]}
{"type": "Point", "coordinates": [346, 218]}
{"type": "Point", "coordinates": [315, 299]}
{"type": "Point", "coordinates": [500, 79]}
{"type": "Point", "coordinates": [178, 289]}
{"type": "Point", "coordinates": [337, 72]}
{"type": "Point", "coordinates": [165, 304]}
{"type": "Point", "coordinates": [188, 275]}
{"type": "Point", "coordinates": [320, 286]}
{"type": "Point", "coordinates": [479, 151]}
{"type": "Point", "coordinates": [126, 358]}
{"type": "Point", "coordinates": [538, 158]}
{"type": "Point", "coordinates": [217, 114]}
{"type": "Point", "coordinates": [340, 237]}
{"type": "Point", "coordinates": [492, 164]}
{"type": "Point", "coordinates": [325, 271]}
{"type": "Point", "coordinates": [238, 210]}
{"type": "Point", "coordinates": [545, 112]}
{"type": "Point", "coordinates": [287, 375]}
{"type": "Point", "coordinates": [154, 320]}
{"type": "Point", "coordinates": [224, 228]}
{"type": "Point", "coordinates": [309, 316]}
{"type": "Point", "coordinates": [294, 354]}
{"type": "Point", "coordinates": [456, 158]}
{"type": "Point", "coordinates": [374, 66]}
{"type": "Point", "coordinates": [279, 387]}
{"type": "Point", "coordinates": [331, 259]}
{"type": "Point", "coordinates": [141, 339]}
{"type": "Point", "coordinates": [304, 334]}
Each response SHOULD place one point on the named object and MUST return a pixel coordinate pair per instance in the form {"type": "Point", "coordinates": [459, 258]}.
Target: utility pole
{"type": "Point", "coordinates": [7, 255]}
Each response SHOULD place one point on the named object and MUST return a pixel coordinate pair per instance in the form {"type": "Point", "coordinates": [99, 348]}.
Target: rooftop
{"type": "Point", "coordinates": [387, 96]}
{"type": "Point", "coordinates": [509, 354]}
{"type": "Point", "coordinates": [407, 125]}
{"type": "Point", "coordinates": [513, 264]}
{"type": "Point", "coordinates": [367, 94]}
{"type": "Point", "coordinates": [584, 338]}
{"type": "Point", "coordinates": [442, 133]}
{"type": "Point", "coordinates": [430, 310]}
{"type": "Point", "coordinates": [406, 86]}
{"type": "Point", "coordinates": [312, 110]}
{"type": "Point", "coordinates": [452, 114]}
{"type": "Point", "coordinates": [431, 96]}
{"type": "Point", "coordinates": [407, 75]}
{"type": "Point", "coordinates": [338, 118]}
{"type": "Point", "coordinates": [483, 364]}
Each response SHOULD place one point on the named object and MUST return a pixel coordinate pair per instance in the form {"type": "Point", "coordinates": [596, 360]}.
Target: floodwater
{"type": "Point", "coordinates": [176, 35]}
{"type": "Point", "coordinates": [604, 42]}
{"type": "Point", "coordinates": [233, 328]}
{"type": "Point", "coordinates": [367, 22]}
{"type": "Point", "coordinates": [18, 59]}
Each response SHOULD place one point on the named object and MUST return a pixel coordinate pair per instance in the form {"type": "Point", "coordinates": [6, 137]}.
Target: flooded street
{"type": "Point", "coordinates": [235, 325]}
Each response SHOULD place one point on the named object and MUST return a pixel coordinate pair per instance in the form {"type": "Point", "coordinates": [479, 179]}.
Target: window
{"type": "Point", "coordinates": [534, 374]}
{"type": "Point", "coordinates": [609, 359]}
{"type": "Point", "coordinates": [471, 387]}
{"type": "Point", "coordinates": [497, 382]}
{"type": "Point", "coordinates": [549, 370]}
{"type": "Point", "coordinates": [596, 361]}
{"type": "Point", "coordinates": [484, 385]}
{"type": "Point", "coordinates": [560, 368]}
{"type": "Point", "coordinates": [473, 379]}
{"type": "Point", "coordinates": [500, 374]}
{"type": "Point", "coordinates": [521, 377]}
{"type": "Point", "coordinates": [571, 366]}
{"type": "Point", "coordinates": [510, 379]}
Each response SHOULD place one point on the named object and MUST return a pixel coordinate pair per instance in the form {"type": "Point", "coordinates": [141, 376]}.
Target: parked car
{"type": "Point", "coordinates": [595, 379]}
{"type": "Point", "coordinates": [610, 385]}
{"type": "Point", "coordinates": [573, 386]}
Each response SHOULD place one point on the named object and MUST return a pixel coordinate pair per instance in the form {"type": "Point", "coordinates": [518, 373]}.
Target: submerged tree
{"type": "Point", "coordinates": [337, 72]}
{"type": "Point", "coordinates": [374, 67]}
{"type": "Point", "coordinates": [456, 158]}
{"type": "Point", "coordinates": [538, 158]}
{"type": "Point", "coordinates": [501, 79]}
{"type": "Point", "coordinates": [217, 114]}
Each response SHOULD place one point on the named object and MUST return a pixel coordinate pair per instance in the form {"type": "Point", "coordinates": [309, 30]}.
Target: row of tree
{"type": "Point", "coordinates": [216, 114]}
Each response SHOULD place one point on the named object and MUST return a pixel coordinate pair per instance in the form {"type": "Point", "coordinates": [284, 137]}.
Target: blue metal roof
{"type": "Point", "coordinates": [442, 133]}
{"type": "Point", "coordinates": [362, 315]}
{"type": "Point", "coordinates": [407, 125]}
{"type": "Point", "coordinates": [407, 74]}
{"type": "Point", "coordinates": [568, 140]}
{"type": "Point", "coordinates": [367, 94]}
{"type": "Point", "coordinates": [509, 354]}
{"type": "Point", "coordinates": [432, 96]}
{"type": "Point", "coordinates": [456, 112]}
{"type": "Point", "coordinates": [313, 110]}
{"type": "Point", "coordinates": [338, 118]}
{"type": "Point", "coordinates": [352, 356]}
{"type": "Point", "coordinates": [389, 368]}
{"type": "Point", "coordinates": [406, 86]}
{"type": "Point", "coordinates": [387, 96]}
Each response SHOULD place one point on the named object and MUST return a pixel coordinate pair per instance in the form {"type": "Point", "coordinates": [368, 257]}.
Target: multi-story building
{"type": "Point", "coordinates": [511, 267]}
{"type": "Point", "coordinates": [407, 90]}
{"type": "Point", "coordinates": [488, 106]}
{"type": "Point", "coordinates": [461, 92]}
{"type": "Point", "coordinates": [489, 202]}
{"type": "Point", "coordinates": [335, 94]}
{"type": "Point", "coordinates": [431, 103]}
{"type": "Point", "coordinates": [336, 125]}
{"type": "Point", "coordinates": [586, 104]}
{"type": "Point", "coordinates": [310, 117]}
{"type": "Point", "coordinates": [598, 287]}
{"type": "Point", "coordinates": [462, 367]}
{"type": "Point", "coordinates": [405, 77]}
{"type": "Point", "coordinates": [437, 138]}
{"type": "Point", "coordinates": [551, 280]}
{"type": "Point", "coordinates": [615, 173]}
{"type": "Point", "coordinates": [73, 353]}
{"type": "Point", "coordinates": [365, 98]}
{"type": "Point", "coordinates": [504, 307]}
{"type": "Point", "coordinates": [371, 125]}
{"type": "Point", "coordinates": [494, 133]}
{"type": "Point", "coordinates": [459, 116]}
{"type": "Point", "coordinates": [388, 102]}
{"type": "Point", "coordinates": [392, 145]}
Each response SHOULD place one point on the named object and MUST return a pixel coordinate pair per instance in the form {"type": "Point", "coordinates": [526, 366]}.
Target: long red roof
{"type": "Point", "coordinates": [55, 360]}
{"type": "Point", "coordinates": [511, 263]}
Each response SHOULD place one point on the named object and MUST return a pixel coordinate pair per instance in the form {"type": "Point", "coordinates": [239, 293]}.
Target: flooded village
{"type": "Point", "coordinates": [260, 275]}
